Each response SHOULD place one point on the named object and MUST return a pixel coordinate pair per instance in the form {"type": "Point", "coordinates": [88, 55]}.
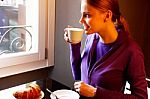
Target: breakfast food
{"type": "Point", "coordinates": [31, 92]}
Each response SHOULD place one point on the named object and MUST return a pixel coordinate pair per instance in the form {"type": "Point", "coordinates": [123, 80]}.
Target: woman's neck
{"type": "Point", "coordinates": [109, 35]}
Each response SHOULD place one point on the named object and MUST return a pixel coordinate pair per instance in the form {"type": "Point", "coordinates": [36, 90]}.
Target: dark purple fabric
{"type": "Point", "coordinates": [123, 61]}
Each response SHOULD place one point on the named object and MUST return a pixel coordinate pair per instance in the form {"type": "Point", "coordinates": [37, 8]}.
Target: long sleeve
{"type": "Point", "coordinates": [135, 75]}
{"type": "Point", "coordinates": [79, 60]}
{"type": "Point", "coordinates": [75, 60]}
{"type": "Point", "coordinates": [124, 61]}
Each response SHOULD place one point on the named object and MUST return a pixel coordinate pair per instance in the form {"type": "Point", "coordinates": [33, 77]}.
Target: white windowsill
{"type": "Point", "coordinates": [12, 70]}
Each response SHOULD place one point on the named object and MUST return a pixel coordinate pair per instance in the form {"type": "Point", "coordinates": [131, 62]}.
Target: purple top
{"type": "Point", "coordinates": [108, 67]}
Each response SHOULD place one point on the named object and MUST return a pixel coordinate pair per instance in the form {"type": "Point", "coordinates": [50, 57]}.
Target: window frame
{"type": "Point", "coordinates": [34, 61]}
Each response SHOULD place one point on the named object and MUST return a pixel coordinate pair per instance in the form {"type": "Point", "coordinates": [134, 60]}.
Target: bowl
{"type": "Point", "coordinates": [65, 94]}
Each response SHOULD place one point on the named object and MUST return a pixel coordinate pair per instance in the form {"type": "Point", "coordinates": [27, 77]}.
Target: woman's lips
{"type": "Point", "coordinates": [86, 28]}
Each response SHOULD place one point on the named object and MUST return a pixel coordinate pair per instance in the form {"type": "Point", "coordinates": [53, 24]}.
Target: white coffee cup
{"type": "Point", "coordinates": [75, 34]}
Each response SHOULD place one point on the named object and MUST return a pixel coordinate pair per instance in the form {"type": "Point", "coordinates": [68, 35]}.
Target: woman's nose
{"type": "Point", "coordinates": [81, 20]}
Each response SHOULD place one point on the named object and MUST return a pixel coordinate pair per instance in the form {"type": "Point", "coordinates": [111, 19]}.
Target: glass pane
{"type": "Point", "coordinates": [14, 39]}
{"type": "Point", "coordinates": [16, 26]}
{"type": "Point", "coordinates": [12, 12]}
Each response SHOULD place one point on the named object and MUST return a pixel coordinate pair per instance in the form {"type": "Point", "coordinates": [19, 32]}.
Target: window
{"type": "Point", "coordinates": [26, 29]}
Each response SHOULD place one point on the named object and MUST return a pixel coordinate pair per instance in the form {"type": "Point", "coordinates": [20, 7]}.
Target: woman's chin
{"type": "Point", "coordinates": [88, 32]}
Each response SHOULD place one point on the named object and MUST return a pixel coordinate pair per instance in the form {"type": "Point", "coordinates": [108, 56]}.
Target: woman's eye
{"type": "Point", "coordinates": [86, 16]}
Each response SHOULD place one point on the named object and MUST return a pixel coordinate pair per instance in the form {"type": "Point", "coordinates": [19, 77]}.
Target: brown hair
{"type": "Point", "coordinates": [113, 5]}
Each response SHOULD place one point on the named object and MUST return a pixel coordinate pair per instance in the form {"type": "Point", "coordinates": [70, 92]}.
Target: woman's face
{"type": "Point", "coordinates": [91, 19]}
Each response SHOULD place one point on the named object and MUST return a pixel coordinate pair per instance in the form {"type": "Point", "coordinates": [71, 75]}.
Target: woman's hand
{"type": "Point", "coordinates": [66, 38]}
{"type": "Point", "coordinates": [84, 89]}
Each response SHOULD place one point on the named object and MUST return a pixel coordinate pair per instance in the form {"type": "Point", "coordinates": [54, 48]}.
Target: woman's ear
{"type": "Point", "coordinates": [108, 16]}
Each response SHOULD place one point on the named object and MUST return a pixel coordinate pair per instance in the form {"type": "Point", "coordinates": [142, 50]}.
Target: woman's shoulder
{"type": "Point", "coordinates": [133, 47]}
{"type": "Point", "coordinates": [129, 41]}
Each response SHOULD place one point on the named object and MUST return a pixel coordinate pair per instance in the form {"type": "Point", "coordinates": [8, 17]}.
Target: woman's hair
{"type": "Point", "coordinates": [113, 5]}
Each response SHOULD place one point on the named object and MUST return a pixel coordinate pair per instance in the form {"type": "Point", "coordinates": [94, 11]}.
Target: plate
{"type": "Point", "coordinates": [65, 94]}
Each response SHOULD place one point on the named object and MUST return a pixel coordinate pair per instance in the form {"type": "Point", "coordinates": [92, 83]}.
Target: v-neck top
{"type": "Point", "coordinates": [102, 49]}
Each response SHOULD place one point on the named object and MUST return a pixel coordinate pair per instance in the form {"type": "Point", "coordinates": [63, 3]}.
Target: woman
{"type": "Point", "coordinates": [110, 56]}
